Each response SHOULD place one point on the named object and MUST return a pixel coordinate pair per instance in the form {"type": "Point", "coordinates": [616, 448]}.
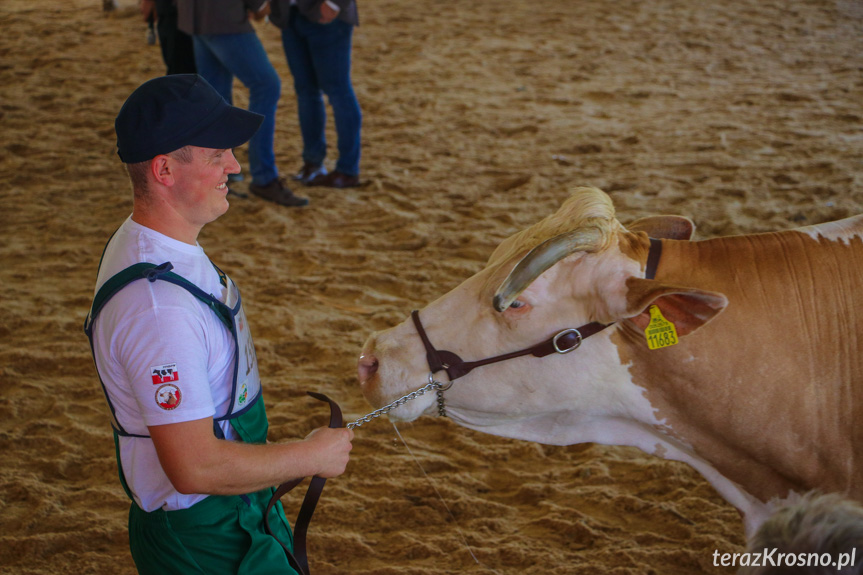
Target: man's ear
{"type": "Point", "coordinates": [687, 308]}
{"type": "Point", "coordinates": [161, 168]}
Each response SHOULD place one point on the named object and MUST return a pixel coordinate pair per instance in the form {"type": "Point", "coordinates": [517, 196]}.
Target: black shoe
{"type": "Point", "coordinates": [276, 191]}
{"type": "Point", "coordinates": [310, 171]}
{"type": "Point", "coordinates": [334, 180]}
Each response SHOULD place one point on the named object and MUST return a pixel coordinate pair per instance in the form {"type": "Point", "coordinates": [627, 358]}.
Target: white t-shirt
{"type": "Point", "coordinates": [162, 354]}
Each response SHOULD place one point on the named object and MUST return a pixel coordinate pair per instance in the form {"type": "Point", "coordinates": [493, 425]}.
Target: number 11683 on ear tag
{"type": "Point", "coordinates": [659, 332]}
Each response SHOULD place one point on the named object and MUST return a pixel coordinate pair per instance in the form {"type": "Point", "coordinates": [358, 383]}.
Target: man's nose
{"type": "Point", "coordinates": [233, 166]}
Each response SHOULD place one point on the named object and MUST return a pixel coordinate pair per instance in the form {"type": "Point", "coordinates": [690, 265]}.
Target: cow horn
{"type": "Point", "coordinates": [542, 257]}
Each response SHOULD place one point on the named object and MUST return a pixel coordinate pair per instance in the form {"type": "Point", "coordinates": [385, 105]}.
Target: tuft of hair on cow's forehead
{"type": "Point", "coordinates": [585, 204]}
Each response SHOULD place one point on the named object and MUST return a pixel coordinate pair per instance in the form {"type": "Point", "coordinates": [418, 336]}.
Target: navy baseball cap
{"type": "Point", "coordinates": [164, 114]}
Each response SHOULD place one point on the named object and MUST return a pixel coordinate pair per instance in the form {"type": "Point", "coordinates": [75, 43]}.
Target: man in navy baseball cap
{"type": "Point", "coordinates": [174, 353]}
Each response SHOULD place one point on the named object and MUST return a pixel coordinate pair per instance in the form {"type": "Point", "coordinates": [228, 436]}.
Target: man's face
{"type": "Point", "coordinates": [200, 186]}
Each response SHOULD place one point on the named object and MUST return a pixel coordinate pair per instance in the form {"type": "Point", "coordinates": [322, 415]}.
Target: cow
{"type": "Point", "coordinates": [741, 356]}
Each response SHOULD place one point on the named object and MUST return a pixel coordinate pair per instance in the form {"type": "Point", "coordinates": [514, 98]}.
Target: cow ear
{"type": "Point", "coordinates": [687, 308]}
{"type": "Point", "coordinates": [664, 227]}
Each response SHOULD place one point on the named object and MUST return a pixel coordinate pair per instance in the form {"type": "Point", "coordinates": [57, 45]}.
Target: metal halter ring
{"type": "Point", "coordinates": [567, 332]}
{"type": "Point", "coordinates": [441, 386]}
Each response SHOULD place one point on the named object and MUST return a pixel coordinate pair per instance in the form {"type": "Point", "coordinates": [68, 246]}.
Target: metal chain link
{"type": "Point", "coordinates": [432, 384]}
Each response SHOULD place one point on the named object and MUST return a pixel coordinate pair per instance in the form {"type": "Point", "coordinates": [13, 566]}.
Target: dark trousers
{"type": "Point", "coordinates": [319, 56]}
{"type": "Point", "coordinates": [178, 51]}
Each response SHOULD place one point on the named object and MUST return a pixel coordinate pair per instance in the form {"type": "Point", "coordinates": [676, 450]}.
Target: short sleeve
{"type": "Point", "coordinates": [164, 351]}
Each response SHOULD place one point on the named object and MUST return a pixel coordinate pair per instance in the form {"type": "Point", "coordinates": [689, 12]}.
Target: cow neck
{"type": "Point", "coordinates": [562, 342]}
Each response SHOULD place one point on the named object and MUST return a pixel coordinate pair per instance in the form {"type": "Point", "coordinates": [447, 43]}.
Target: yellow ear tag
{"type": "Point", "coordinates": [660, 332]}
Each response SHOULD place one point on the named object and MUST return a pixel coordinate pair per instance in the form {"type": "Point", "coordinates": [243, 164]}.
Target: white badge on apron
{"type": "Point", "coordinates": [246, 377]}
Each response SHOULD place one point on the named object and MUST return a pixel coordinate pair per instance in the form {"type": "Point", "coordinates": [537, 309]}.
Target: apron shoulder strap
{"type": "Point", "coordinates": [153, 272]}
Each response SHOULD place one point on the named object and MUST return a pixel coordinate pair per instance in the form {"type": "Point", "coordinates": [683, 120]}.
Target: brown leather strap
{"type": "Point", "coordinates": [299, 559]}
{"type": "Point", "coordinates": [653, 258]}
{"type": "Point", "coordinates": [456, 367]}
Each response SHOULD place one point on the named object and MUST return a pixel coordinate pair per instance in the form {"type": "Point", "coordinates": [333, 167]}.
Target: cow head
{"type": "Point", "coordinates": [577, 266]}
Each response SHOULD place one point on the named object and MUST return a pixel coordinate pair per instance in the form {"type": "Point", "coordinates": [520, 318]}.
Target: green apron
{"type": "Point", "coordinates": [220, 534]}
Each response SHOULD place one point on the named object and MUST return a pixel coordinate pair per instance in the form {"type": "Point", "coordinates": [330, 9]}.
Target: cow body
{"type": "Point", "coordinates": [762, 393]}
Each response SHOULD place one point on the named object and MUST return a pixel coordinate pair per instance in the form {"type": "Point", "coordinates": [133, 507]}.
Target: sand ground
{"type": "Point", "coordinates": [744, 115]}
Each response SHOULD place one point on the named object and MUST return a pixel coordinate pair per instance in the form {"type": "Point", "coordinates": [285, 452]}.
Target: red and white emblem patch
{"type": "Point", "coordinates": [168, 396]}
{"type": "Point", "coordinates": [164, 373]}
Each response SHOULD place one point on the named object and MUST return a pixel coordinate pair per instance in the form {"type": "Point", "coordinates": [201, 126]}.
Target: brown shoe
{"type": "Point", "coordinates": [310, 171]}
{"type": "Point", "coordinates": [276, 191]}
{"type": "Point", "coordinates": [334, 180]}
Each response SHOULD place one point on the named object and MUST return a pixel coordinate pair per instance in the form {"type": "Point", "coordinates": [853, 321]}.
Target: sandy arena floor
{"type": "Point", "coordinates": [744, 115]}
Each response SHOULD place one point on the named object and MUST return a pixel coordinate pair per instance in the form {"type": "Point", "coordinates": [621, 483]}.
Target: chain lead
{"type": "Point", "coordinates": [432, 384]}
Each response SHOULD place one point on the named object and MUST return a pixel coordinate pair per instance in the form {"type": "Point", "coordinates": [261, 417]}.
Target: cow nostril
{"type": "Point", "coordinates": [367, 367]}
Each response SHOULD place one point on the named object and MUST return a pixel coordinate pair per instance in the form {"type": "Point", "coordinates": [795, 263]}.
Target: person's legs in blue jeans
{"type": "Point", "coordinates": [310, 102]}
{"type": "Point", "coordinates": [327, 47]}
{"type": "Point", "coordinates": [212, 69]}
{"type": "Point", "coordinates": [243, 56]}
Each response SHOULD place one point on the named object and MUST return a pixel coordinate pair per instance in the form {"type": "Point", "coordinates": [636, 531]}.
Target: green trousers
{"type": "Point", "coordinates": [219, 535]}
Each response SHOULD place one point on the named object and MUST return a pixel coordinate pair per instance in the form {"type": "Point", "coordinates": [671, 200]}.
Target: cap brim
{"type": "Point", "coordinates": [231, 129]}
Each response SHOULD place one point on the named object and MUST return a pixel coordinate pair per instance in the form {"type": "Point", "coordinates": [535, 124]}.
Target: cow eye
{"type": "Point", "coordinates": [516, 304]}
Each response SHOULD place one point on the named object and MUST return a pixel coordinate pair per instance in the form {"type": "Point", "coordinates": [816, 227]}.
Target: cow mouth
{"type": "Point", "coordinates": [410, 410]}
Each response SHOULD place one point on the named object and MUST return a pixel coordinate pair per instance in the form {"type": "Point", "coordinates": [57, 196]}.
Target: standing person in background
{"type": "Point", "coordinates": [177, 50]}
{"type": "Point", "coordinates": [226, 46]}
{"type": "Point", "coordinates": [175, 357]}
{"type": "Point", "coordinates": [316, 36]}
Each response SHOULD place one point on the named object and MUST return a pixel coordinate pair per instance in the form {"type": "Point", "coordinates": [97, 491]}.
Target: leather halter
{"type": "Point", "coordinates": [562, 342]}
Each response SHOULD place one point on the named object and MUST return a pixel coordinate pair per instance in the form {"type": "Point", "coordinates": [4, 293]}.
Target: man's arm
{"type": "Point", "coordinates": [195, 461]}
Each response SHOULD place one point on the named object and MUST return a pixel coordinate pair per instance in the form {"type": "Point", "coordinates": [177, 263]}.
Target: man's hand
{"type": "Point", "coordinates": [328, 13]}
{"type": "Point", "coordinates": [333, 447]}
{"type": "Point", "coordinates": [262, 13]}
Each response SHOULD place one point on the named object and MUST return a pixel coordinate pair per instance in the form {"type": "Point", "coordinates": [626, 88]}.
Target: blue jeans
{"type": "Point", "coordinates": [220, 57]}
{"type": "Point", "coordinates": [319, 56]}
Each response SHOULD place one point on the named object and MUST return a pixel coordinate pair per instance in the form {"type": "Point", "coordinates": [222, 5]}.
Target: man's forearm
{"type": "Point", "coordinates": [195, 461]}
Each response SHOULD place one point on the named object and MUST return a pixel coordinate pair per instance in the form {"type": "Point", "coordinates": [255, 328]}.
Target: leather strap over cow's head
{"type": "Point", "coordinates": [562, 342]}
